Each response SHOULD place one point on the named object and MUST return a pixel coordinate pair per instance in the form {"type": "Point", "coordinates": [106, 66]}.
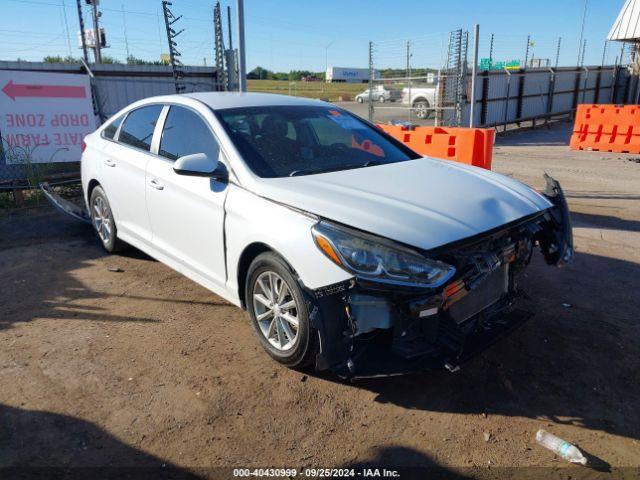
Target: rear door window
{"type": "Point", "coordinates": [185, 133]}
{"type": "Point", "coordinates": [111, 129]}
{"type": "Point", "coordinates": [138, 127]}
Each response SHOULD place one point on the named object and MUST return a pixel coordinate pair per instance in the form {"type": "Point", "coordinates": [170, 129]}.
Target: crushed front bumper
{"type": "Point", "coordinates": [74, 210]}
{"type": "Point", "coordinates": [368, 329]}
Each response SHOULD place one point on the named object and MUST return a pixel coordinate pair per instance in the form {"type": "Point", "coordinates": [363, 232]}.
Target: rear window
{"type": "Point", "coordinates": [279, 141]}
{"type": "Point", "coordinates": [138, 127]}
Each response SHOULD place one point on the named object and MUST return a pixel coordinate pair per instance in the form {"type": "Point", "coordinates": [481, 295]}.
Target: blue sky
{"type": "Point", "coordinates": [304, 34]}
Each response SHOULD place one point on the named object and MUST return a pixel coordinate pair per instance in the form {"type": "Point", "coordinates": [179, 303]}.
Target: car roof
{"type": "Point", "coordinates": [221, 100]}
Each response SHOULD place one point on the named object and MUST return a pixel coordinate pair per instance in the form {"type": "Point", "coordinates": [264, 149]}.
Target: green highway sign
{"type": "Point", "coordinates": [490, 64]}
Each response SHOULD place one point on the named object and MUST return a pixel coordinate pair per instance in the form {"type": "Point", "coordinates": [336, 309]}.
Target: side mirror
{"type": "Point", "coordinates": [200, 165]}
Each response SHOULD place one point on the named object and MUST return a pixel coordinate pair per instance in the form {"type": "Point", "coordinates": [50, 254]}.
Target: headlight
{"type": "Point", "coordinates": [378, 259]}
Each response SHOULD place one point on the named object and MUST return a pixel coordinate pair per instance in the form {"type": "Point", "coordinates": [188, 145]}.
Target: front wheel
{"type": "Point", "coordinates": [359, 99]}
{"type": "Point", "coordinates": [279, 313]}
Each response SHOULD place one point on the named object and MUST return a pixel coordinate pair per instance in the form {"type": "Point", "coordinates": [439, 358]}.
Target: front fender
{"type": "Point", "coordinates": [251, 219]}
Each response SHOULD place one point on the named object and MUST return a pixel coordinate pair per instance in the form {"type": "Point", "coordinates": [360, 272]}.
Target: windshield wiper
{"type": "Point", "coordinates": [368, 163]}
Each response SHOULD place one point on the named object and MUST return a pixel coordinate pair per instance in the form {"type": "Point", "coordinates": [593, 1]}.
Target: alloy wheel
{"type": "Point", "coordinates": [276, 310]}
{"type": "Point", "coordinates": [102, 219]}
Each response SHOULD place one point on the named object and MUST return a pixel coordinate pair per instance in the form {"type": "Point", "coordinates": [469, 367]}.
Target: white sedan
{"type": "Point", "coordinates": [348, 250]}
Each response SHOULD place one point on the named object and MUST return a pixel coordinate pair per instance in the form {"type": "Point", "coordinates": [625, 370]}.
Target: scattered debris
{"type": "Point", "coordinates": [487, 436]}
{"type": "Point", "coordinates": [304, 378]}
{"type": "Point", "coordinates": [567, 305]}
{"type": "Point", "coordinates": [634, 159]}
{"type": "Point", "coordinates": [115, 269]}
{"type": "Point", "coordinates": [560, 447]}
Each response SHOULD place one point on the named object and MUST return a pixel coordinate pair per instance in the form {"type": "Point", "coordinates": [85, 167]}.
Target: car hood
{"type": "Point", "coordinates": [425, 202]}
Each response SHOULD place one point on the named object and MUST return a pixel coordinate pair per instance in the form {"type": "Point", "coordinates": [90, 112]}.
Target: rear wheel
{"type": "Point", "coordinates": [279, 313]}
{"type": "Point", "coordinates": [359, 99]}
{"type": "Point", "coordinates": [103, 222]}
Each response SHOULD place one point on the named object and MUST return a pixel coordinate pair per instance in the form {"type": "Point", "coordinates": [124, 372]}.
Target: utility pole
{"type": "Point", "coordinates": [558, 51]}
{"type": "Point", "coordinates": [370, 81]}
{"type": "Point", "coordinates": [580, 43]}
{"type": "Point", "coordinates": [326, 57]}
{"type": "Point", "coordinates": [326, 64]}
{"type": "Point", "coordinates": [124, 24]}
{"type": "Point", "coordinates": [474, 73]}
{"type": "Point", "coordinates": [66, 26]}
{"type": "Point", "coordinates": [96, 31]}
{"type": "Point", "coordinates": [242, 59]}
{"type": "Point", "coordinates": [491, 51]}
{"type": "Point", "coordinates": [526, 55]}
{"type": "Point", "coordinates": [409, 75]}
{"type": "Point", "coordinates": [229, 25]}
{"type": "Point", "coordinates": [176, 64]}
{"type": "Point", "coordinates": [83, 39]}
{"type": "Point", "coordinates": [219, 47]}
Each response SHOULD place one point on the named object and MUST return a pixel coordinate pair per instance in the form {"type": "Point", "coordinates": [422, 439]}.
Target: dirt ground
{"type": "Point", "coordinates": [143, 367]}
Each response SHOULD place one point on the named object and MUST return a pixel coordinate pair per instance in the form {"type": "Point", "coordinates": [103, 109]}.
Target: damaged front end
{"type": "Point", "coordinates": [369, 327]}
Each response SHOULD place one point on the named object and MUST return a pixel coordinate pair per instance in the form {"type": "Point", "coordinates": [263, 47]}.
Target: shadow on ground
{"type": "Point", "coordinates": [558, 133]}
{"type": "Point", "coordinates": [63, 246]}
{"type": "Point", "coordinates": [36, 444]}
{"type": "Point", "coordinates": [604, 221]}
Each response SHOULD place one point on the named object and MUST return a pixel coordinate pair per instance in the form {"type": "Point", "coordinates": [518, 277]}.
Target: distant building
{"type": "Point", "coordinates": [349, 75]}
{"type": "Point", "coordinates": [626, 29]}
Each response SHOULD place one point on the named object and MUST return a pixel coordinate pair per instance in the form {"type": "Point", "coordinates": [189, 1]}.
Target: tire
{"type": "Point", "coordinates": [273, 330]}
{"type": "Point", "coordinates": [103, 222]}
{"type": "Point", "coordinates": [421, 107]}
{"type": "Point", "coordinates": [381, 99]}
{"type": "Point", "coordinates": [359, 100]}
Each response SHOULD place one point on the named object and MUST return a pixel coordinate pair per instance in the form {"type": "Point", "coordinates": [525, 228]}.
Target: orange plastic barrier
{"type": "Point", "coordinates": [473, 146]}
{"type": "Point", "coordinates": [607, 128]}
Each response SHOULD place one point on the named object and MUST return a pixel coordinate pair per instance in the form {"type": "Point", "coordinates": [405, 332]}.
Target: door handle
{"type": "Point", "coordinates": [109, 163]}
{"type": "Point", "coordinates": [156, 184]}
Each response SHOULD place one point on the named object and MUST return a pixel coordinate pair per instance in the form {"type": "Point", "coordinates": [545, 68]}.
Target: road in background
{"type": "Point", "coordinates": [385, 112]}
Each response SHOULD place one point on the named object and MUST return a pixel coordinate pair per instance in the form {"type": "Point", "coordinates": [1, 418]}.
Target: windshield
{"type": "Point", "coordinates": [281, 141]}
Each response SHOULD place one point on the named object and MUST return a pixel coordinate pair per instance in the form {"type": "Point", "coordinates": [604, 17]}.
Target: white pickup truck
{"type": "Point", "coordinates": [422, 99]}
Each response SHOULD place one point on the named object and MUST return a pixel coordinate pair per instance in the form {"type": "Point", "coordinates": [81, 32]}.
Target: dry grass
{"type": "Point", "coordinates": [328, 91]}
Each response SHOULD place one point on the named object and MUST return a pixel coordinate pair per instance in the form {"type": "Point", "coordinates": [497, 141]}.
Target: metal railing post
{"type": "Point", "coordinates": [474, 68]}
{"type": "Point", "coordinates": [506, 103]}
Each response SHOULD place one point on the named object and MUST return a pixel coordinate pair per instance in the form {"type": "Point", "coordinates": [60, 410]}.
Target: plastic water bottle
{"type": "Point", "coordinates": [560, 447]}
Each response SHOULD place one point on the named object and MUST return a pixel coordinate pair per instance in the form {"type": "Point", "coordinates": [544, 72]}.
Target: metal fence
{"type": "Point", "coordinates": [436, 72]}
{"type": "Point", "coordinates": [418, 82]}
{"type": "Point", "coordinates": [114, 86]}
{"type": "Point", "coordinates": [506, 97]}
